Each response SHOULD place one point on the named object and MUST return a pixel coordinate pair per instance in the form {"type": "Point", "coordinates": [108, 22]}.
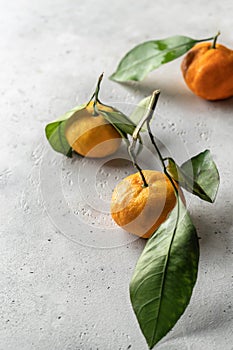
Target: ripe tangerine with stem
{"type": "Point", "coordinates": [208, 70]}
{"type": "Point", "coordinates": [140, 210]}
{"type": "Point", "coordinates": [90, 134]}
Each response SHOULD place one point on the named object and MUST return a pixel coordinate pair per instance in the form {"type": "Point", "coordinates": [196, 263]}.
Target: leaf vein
{"type": "Point", "coordinates": [150, 57]}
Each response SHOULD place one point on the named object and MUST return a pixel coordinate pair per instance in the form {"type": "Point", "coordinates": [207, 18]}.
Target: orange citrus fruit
{"type": "Point", "coordinates": [141, 210]}
{"type": "Point", "coordinates": [92, 135]}
{"type": "Point", "coordinates": [208, 71]}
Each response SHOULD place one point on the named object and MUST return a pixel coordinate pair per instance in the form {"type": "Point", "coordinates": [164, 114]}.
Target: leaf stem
{"type": "Point", "coordinates": [135, 164]}
{"type": "Point", "coordinates": [147, 116]}
{"type": "Point", "coordinates": [152, 138]}
{"type": "Point", "coordinates": [213, 46]}
{"type": "Point", "coordinates": [147, 119]}
{"type": "Point", "coordinates": [96, 96]}
{"type": "Point", "coordinates": [206, 39]}
{"type": "Point", "coordinates": [97, 90]}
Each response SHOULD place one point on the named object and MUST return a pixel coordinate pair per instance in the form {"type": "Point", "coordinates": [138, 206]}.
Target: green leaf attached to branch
{"type": "Point", "coordinates": [199, 175]}
{"type": "Point", "coordinates": [146, 57]}
{"type": "Point", "coordinates": [55, 132]}
{"type": "Point", "coordinates": [119, 120]}
{"type": "Point", "coordinates": [165, 275]}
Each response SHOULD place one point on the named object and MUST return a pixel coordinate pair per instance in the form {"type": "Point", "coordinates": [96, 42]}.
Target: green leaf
{"type": "Point", "coordinates": [119, 120]}
{"type": "Point", "coordinates": [199, 175]}
{"type": "Point", "coordinates": [165, 275]}
{"type": "Point", "coordinates": [55, 132]}
{"type": "Point", "coordinates": [140, 111]}
{"type": "Point", "coordinates": [205, 173]}
{"type": "Point", "coordinates": [146, 57]}
{"type": "Point", "coordinates": [122, 124]}
{"type": "Point", "coordinates": [185, 181]}
{"type": "Point", "coordinates": [71, 112]}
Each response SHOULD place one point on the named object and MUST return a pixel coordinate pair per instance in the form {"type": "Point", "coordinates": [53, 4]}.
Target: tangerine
{"type": "Point", "coordinates": [141, 210]}
{"type": "Point", "coordinates": [92, 135]}
{"type": "Point", "coordinates": [208, 71]}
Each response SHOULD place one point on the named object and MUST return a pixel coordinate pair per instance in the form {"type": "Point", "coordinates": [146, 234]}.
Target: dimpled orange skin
{"type": "Point", "coordinates": [141, 210]}
{"type": "Point", "coordinates": [208, 72]}
{"type": "Point", "coordinates": [92, 136]}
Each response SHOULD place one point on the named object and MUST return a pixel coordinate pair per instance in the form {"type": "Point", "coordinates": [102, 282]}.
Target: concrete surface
{"type": "Point", "coordinates": [65, 267]}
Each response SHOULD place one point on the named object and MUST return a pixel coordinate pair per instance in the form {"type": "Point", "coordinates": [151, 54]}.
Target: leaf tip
{"type": "Point", "coordinates": [112, 77]}
{"type": "Point", "coordinates": [69, 153]}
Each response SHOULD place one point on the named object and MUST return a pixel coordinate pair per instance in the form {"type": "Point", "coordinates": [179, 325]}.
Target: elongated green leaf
{"type": "Point", "coordinates": [119, 120]}
{"type": "Point", "coordinates": [199, 175]}
{"type": "Point", "coordinates": [145, 57]}
{"type": "Point", "coordinates": [123, 125]}
{"type": "Point", "coordinates": [165, 275]}
{"type": "Point", "coordinates": [55, 132]}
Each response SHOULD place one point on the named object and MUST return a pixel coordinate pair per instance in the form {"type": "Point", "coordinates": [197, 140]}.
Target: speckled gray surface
{"type": "Point", "coordinates": [64, 279]}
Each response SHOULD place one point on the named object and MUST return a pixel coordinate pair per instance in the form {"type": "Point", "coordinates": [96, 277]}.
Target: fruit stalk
{"type": "Point", "coordinates": [152, 138]}
{"type": "Point", "coordinates": [135, 164]}
{"type": "Point", "coordinates": [135, 136]}
{"type": "Point", "coordinates": [147, 119]}
{"type": "Point", "coordinates": [213, 46]}
{"type": "Point", "coordinates": [96, 96]}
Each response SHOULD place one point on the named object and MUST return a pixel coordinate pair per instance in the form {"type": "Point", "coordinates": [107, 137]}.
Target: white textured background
{"type": "Point", "coordinates": [56, 293]}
